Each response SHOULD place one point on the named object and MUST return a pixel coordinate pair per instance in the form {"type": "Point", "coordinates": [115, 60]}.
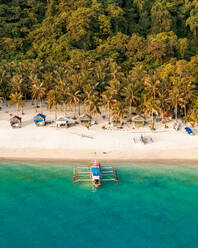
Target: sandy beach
{"type": "Point", "coordinates": [77, 143]}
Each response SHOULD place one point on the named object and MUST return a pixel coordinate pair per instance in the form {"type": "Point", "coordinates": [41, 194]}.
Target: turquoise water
{"type": "Point", "coordinates": [152, 207]}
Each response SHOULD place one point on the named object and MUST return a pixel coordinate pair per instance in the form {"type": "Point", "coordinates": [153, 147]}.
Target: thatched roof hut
{"type": "Point", "coordinates": [85, 119]}
{"type": "Point", "coordinates": [39, 119]}
{"type": "Point", "coordinates": [62, 120]}
{"type": "Point", "coordinates": [138, 120]}
{"type": "Point", "coordinates": [15, 121]}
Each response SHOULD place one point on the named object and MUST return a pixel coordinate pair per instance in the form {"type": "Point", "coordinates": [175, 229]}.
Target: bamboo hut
{"type": "Point", "coordinates": [85, 119]}
{"type": "Point", "coordinates": [62, 120]}
{"type": "Point", "coordinates": [139, 120]}
{"type": "Point", "coordinates": [15, 121]}
{"type": "Point", "coordinates": [39, 120]}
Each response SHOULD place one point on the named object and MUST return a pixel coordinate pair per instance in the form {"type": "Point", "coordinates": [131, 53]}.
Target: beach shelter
{"type": "Point", "coordinates": [62, 120]}
{"type": "Point", "coordinates": [167, 116]}
{"type": "Point", "coordinates": [39, 119]}
{"type": "Point", "coordinates": [15, 121]}
{"type": "Point", "coordinates": [85, 119]}
{"type": "Point", "coordinates": [188, 130]}
{"type": "Point", "coordinates": [138, 120]}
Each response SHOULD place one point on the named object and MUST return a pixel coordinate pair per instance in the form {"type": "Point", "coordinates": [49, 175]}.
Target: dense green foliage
{"type": "Point", "coordinates": [115, 52]}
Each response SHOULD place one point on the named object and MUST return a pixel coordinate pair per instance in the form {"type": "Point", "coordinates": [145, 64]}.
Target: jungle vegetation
{"type": "Point", "coordinates": [111, 53]}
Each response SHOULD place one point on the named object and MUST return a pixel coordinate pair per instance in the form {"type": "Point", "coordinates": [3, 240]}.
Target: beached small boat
{"type": "Point", "coordinates": [188, 130]}
{"type": "Point", "coordinates": [142, 139]}
{"type": "Point", "coordinates": [95, 173]}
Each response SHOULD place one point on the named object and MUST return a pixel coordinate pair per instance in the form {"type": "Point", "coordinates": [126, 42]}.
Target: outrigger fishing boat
{"type": "Point", "coordinates": [95, 173]}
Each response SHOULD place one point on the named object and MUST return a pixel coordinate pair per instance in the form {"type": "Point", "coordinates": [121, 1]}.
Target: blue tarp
{"type": "Point", "coordinates": [40, 115]}
{"type": "Point", "coordinates": [188, 130]}
{"type": "Point", "coordinates": [95, 171]}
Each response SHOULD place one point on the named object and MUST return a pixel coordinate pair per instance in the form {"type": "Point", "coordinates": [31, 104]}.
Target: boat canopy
{"type": "Point", "coordinates": [95, 171]}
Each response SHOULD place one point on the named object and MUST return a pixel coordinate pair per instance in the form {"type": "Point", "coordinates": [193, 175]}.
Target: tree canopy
{"type": "Point", "coordinates": [85, 42]}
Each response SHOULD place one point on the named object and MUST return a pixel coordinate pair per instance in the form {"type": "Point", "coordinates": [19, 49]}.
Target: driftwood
{"type": "Point", "coordinates": [83, 135]}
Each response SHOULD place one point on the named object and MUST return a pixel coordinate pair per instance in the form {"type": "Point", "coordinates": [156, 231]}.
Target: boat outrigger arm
{"type": "Point", "coordinates": [95, 174]}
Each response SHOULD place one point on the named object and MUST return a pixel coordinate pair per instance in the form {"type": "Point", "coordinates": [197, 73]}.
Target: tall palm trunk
{"type": "Point", "coordinates": [109, 117]}
{"type": "Point", "coordinates": [5, 97]}
{"type": "Point", "coordinates": [130, 108]}
{"type": "Point", "coordinates": [74, 109]}
{"type": "Point", "coordinates": [41, 105]}
{"type": "Point", "coordinates": [17, 108]}
{"type": "Point", "coordinates": [152, 125]}
{"type": "Point", "coordinates": [55, 112]}
{"type": "Point", "coordinates": [79, 109]}
{"type": "Point", "coordinates": [64, 108]}
{"type": "Point", "coordinates": [185, 112]}
{"type": "Point", "coordinates": [176, 110]}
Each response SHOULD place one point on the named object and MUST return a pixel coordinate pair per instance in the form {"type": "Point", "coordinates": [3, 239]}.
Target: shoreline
{"type": "Point", "coordinates": [85, 156]}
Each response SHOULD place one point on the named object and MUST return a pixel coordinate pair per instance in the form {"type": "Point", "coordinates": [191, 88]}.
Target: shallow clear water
{"type": "Point", "coordinates": [154, 206]}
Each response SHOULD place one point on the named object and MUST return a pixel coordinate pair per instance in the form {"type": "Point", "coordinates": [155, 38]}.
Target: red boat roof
{"type": "Point", "coordinates": [95, 164]}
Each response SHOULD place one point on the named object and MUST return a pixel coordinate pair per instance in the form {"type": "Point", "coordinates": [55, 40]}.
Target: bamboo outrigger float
{"type": "Point", "coordinates": [95, 173]}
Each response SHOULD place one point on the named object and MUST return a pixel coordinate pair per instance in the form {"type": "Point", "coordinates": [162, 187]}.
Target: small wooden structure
{"type": "Point", "coordinates": [15, 121]}
{"type": "Point", "coordinates": [62, 120]}
{"type": "Point", "coordinates": [139, 120]}
{"type": "Point", "coordinates": [39, 119]}
{"type": "Point", "coordinates": [85, 119]}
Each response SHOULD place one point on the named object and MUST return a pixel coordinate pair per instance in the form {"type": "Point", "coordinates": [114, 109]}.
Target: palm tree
{"type": "Point", "coordinates": [107, 101]}
{"type": "Point", "coordinates": [137, 74]}
{"type": "Point", "coordinates": [93, 105]}
{"type": "Point", "coordinates": [17, 98]}
{"type": "Point", "coordinates": [115, 72]}
{"type": "Point", "coordinates": [188, 92]}
{"type": "Point", "coordinates": [130, 92]}
{"type": "Point", "coordinates": [112, 94]}
{"type": "Point", "coordinates": [89, 90]}
{"type": "Point", "coordinates": [114, 88]}
{"type": "Point", "coordinates": [151, 90]}
{"type": "Point", "coordinates": [38, 89]}
{"type": "Point", "coordinates": [17, 83]}
{"type": "Point", "coordinates": [150, 106]}
{"type": "Point", "coordinates": [119, 110]}
{"type": "Point", "coordinates": [74, 96]}
{"type": "Point", "coordinates": [152, 86]}
{"type": "Point", "coordinates": [53, 99]}
{"type": "Point", "coordinates": [175, 96]}
{"type": "Point", "coordinates": [100, 74]}
{"type": "Point", "coordinates": [77, 83]}
{"type": "Point", "coordinates": [63, 90]}
{"type": "Point", "coordinates": [3, 83]}
{"type": "Point", "coordinates": [163, 100]}
{"type": "Point", "coordinates": [191, 21]}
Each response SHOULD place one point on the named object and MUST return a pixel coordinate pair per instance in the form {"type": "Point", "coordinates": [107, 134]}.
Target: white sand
{"type": "Point", "coordinates": [78, 143]}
